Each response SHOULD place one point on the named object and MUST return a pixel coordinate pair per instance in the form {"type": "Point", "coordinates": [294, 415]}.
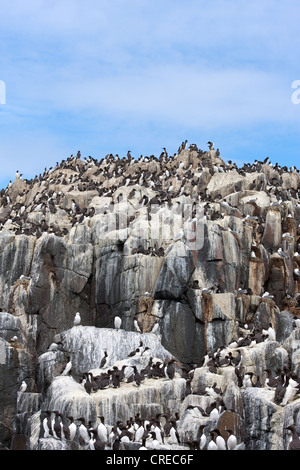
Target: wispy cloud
{"type": "Point", "coordinates": [113, 71]}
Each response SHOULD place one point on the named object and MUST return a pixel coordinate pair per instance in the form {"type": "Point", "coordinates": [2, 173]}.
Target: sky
{"type": "Point", "coordinates": [108, 76]}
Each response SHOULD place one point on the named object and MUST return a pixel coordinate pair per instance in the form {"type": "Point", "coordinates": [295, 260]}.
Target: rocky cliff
{"type": "Point", "coordinates": [195, 256]}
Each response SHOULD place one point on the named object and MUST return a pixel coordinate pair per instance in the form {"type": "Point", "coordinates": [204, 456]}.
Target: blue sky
{"type": "Point", "coordinates": [110, 76]}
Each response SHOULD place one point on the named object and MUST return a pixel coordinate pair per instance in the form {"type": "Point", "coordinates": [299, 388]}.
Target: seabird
{"type": "Point", "coordinates": [197, 411]}
{"type": "Point", "coordinates": [96, 442]}
{"type": "Point", "coordinates": [117, 322]}
{"type": "Point", "coordinates": [220, 441]}
{"type": "Point", "coordinates": [102, 430]}
{"type": "Point", "coordinates": [247, 380]}
{"type": "Point", "coordinates": [212, 445]}
{"type": "Point", "coordinates": [211, 145]}
{"type": "Point", "coordinates": [179, 235]}
{"type": "Point", "coordinates": [174, 434]}
{"type": "Point", "coordinates": [83, 432]}
{"type": "Point", "coordinates": [137, 377]}
{"type": "Point", "coordinates": [68, 368]}
{"type": "Point", "coordinates": [294, 443]}
{"type": "Point", "coordinates": [103, 360]}
{"type": "Point", "coordinates": [72, 428]}
{"type": "Point", "coordinates": [270, 332]}
{"type": "Point", "coordinates": [23, 386]}
{"type": "Point", "coordinates": [47, 425]}
{"type": "Point", "coordinates": [77, 319]}
{"type": "Point", "coordinates": [231, 441]}
{"type": "Point", "coordinates": [170, 369]}
{"type": "Point", "coordinates": [267, 295]}
{"type": "Point", "coordinates": [57, 425]}
{"type": "Point", "coordinates": [281, 253]}
{"type": "Point", "coordinates": [290, 391]}
{"type": "Point", "coordinates": [139, 432]}
{"type": "Point", "coordinates": [202, 437]}
{"type": "Point", "coordinates": [137, 326]}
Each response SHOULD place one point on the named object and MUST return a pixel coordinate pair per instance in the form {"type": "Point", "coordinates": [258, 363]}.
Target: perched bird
{"type": "Point", "coordinates": [294, 443]}
{"type": "Point", "coordinates": [77, 319]}
{"type": "Point", "coordinates": [202, 438]}
{"type": "Point", "coordinates": [212, 444]}
{"type": "Point", "coordinates": [137, 326]}
{"type": "Point", "coordinates": [23, 387]}
{"type": "Point", "coordinates": [247, 380]}
{"type": "Point", "coordinates": [290, 391]}
{"type": "Point", "coordinates": [57, 425]}
{"type": "Point", "coordinates": [96, 442]}
{"type": "Point", "coordinates": [270, 332]}
{"type": "Point", "coordinates": [220, 441]}
{"type": "Point", "coordinates": [67, 369]}
{"type": "Point", "coordinates": [137, 377]}
{"type": "Point", "coordinates": [102, 430]}
{"type": "Point", "coordinates": [170, 369]}
{"type": "Point", "coordinates": [282, 253]}
{"type": "Point", "coordinates": [72, 428]}
{"type": "Point", "coordinates": [231, 441]}
{"type": "Point", "coordinates": [83, 432]}
{"type": "Point", "coordinates": [174, 434]}
{"type": "Point", "coordinates": [103, 360]}
{"type": "Point", "coordinates": [117, 322]}
{"type": "Point", "coordinates": [47, 425]}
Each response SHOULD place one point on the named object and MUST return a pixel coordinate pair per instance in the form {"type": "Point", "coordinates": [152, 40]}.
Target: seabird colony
{"type": "Point", "coordinates": [31, 207]}
{"type": "Point", "coordinates": [166, 431]}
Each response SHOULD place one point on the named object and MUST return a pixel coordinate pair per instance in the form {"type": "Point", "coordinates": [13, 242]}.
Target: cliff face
{"type": "Point", "coordinates": [186, 242]}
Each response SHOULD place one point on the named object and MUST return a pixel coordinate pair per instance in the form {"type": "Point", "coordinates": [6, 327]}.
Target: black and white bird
{"type": "Point", "coordinates": [68, 367]}
{"type": "Point", "coordinates": [83, 432]}
{"type": "Point", "coordinates": [137, 326]}
{"type": "Point", "coordinates": [102, 430]}
{"type": "Point", "coordinates": [231, 441]}
{"type": "Point", "coordinates": [103, 360]}
{"type": "Point", "coordinates": [294, 443]}
{"type": "Point", "coordinates": [72, 428]}
{"type": "Point", "coordinates": [170, 369]}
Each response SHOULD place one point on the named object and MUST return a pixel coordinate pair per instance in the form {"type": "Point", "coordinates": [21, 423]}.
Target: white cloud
{"type": "Point", "coordinates": [152, 68]}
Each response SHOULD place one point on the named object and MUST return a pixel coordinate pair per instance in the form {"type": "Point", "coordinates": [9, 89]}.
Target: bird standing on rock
{"type": "Point", "coordinates": [170, 369]}
{"type": "Point", "coordinates": [77, 319]}
{"type": "Point", "coordinates": [23, 386]}
{"type": "Point", "coordinates": [117, 323]}
{"type": "Point", "coordinates": [103, 360]}
{"type": "Point", "coordinates": [68, 367]}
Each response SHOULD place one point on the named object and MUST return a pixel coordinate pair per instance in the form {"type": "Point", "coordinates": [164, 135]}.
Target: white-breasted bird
{"type": "Point", "coordinates": [136, 326]}
{"type": "Point", "coordinates": [68, 367]}
{"type": "Point", "coordinates": [77, 319]}
{"type": "Point", "coordinates": [117, 322]}
{"type": "Point", "coordinates": [231, 441]}
{"type": "Point", "coordinates": [23, 386]}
